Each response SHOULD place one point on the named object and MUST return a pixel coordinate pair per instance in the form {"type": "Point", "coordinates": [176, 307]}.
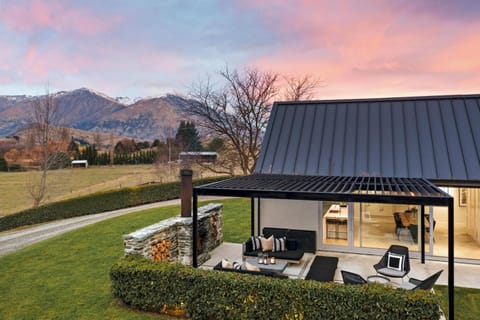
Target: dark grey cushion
{"type": "Point", "coordinates": [265, 273]}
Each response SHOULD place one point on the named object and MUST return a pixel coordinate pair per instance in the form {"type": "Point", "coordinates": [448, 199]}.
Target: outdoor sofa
{"type": "Point", "coordinates": [266, 273]}
{"type": "Point", "coordinates": [297, 243]}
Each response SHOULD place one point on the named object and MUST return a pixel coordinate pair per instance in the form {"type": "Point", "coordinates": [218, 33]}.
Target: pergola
{"type": "Point", "coordinates": [412, 191]}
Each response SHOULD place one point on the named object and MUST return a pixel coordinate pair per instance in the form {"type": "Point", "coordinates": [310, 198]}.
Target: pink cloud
{"type": "Point", "coordinates": [55, 15]}
{"type": "Point", "coordinates": [39, 63]}
{"type": "Point", "coordinates": [373, 48]}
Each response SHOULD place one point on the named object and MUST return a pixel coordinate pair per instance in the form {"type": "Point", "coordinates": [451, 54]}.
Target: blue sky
{"type": "Point", "coordinates": [145, 48]}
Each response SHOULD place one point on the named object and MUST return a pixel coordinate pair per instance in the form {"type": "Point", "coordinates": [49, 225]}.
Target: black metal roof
{"type": "Point", "coordinates": [437, 138]}
{"type": "Point", "coordinates": [355, 189]}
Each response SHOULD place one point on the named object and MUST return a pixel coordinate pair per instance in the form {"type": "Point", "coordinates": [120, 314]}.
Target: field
{"type": "Point", "coordinates": [71, 183]}
{"type": "Point", "coordinates": [67, 277]}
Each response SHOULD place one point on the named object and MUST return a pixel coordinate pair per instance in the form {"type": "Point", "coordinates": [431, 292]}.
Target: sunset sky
{"type": "Point", "coordinates": [146, 48]}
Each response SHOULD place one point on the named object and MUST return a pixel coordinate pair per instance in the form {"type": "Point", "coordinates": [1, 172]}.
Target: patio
{"type": "Point", "coordinates": [465, 274]}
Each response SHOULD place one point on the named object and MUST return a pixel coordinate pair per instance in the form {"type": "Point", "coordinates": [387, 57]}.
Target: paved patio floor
{"type": "Point", "coordinates": [466, 275]}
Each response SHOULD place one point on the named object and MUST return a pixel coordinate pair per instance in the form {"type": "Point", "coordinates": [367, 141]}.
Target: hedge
{"type": "Point", "coordinates": [96, 203]}
{"type": "Point", "coordinates": [208, 294]}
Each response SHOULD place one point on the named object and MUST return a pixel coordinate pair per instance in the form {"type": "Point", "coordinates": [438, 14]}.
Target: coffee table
{"type": "Point", "coordinates": [378, 279]}
{"type": "Point", "coordinates": [278, 266]}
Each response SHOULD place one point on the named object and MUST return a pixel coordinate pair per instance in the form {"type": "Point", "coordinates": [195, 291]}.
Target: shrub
{"type": "Point", "coordinates": [96, 203]}
{"type": "Point", "coordinates": [208, 294]}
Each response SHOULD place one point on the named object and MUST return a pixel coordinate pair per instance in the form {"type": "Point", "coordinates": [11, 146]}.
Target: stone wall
{"type": "Point", "coordinates": [177, 232]}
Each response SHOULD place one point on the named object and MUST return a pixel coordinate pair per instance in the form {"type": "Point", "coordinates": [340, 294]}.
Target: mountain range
{"type": "Point", "coordinates": [89, 110]}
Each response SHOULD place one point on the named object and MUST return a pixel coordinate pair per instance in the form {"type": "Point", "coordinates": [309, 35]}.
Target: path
{"type": "Point", "coordinates": [14, 240]}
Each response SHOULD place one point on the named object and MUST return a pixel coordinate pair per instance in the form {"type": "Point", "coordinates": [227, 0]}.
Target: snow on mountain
{"type": "Point", "coordinates": [90, 110]}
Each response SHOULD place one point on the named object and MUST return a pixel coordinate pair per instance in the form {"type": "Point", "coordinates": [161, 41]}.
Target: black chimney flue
{"type": "Point", "coordinates": [186, 192]}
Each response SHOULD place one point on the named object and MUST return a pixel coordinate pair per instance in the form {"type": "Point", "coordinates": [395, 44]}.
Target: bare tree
{"type": "Point", "coordinates": [111, 150]}
{"type": "Point", "coordinates": [238, 111]}
{"type": "Point", "coordinates": [302, 88]}
{"type": "Point", "coordinates": [48, 135]}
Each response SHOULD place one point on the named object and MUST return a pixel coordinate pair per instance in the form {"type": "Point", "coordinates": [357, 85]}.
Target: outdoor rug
{"type": "Point", "coordinates": [322, 269]}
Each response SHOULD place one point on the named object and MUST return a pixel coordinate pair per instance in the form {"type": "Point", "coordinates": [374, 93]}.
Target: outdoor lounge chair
{"type": "Point", "coordinates": [427, 284]}
{"type": "Point", "coordinates": [395, 262]}
{"type": "Point", "coordinates": [352, 278]}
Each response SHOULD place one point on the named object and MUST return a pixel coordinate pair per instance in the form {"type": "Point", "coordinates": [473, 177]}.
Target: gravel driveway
{"type": "Point", "coordinates": [14, 240]}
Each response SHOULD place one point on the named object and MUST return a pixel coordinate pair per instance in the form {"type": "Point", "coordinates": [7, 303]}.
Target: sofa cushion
{"type": "Point", "coordinates": [291, 244]}
{"type": "Point", "coordinates": [267, 243]}
{"type": "Point", "coordinates": [256, 243]}
{"type": "Point", "coordinates": [306, 239]}
{"type": "Point", "coordinates": [288, 255]}
{"type": "Point", "coordinates": [279, 244]}
{"type": "Point", "coordinates": [227, 264]}
{"type": "Point", "coordinates": [391, 272]}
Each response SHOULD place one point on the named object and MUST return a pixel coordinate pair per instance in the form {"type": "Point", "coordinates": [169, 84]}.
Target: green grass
{"type": "Point", "coordinates": [66, 277]}
{"type": "Point", "coordinates": [467, 302]}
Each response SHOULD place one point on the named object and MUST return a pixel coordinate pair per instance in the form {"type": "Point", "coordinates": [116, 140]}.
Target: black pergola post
{"type": "Point", "coordinates": [422, 233]}
{"type": "Point", "coordinates": [252, 216]}
{"type": "Point", "coordinates": [194, 229]}
{"type": "Point", "coordinates": [258, 216]}
{"type": "Point", "coordinates": [451, 262]}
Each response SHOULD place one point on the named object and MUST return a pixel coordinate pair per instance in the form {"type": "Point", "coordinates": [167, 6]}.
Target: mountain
{"type": "Point", "coordinates": [86, 109]}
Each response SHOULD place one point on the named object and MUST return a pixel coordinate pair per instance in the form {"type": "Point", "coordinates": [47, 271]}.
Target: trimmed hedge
{"type": "Point", "coordinates": [96, 203]}
{"type": "Point", "coordinates": [208, 294]}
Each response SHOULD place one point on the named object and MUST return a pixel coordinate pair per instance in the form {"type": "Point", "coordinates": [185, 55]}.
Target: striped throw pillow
{"type": "Point", "coordinates": [256, 243]}
{"type": "Point", "coordinates": [279, 244]}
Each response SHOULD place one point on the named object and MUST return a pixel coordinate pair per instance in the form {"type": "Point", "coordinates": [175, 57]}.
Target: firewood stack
{"type": "Point", "coordinates": [161, 250]}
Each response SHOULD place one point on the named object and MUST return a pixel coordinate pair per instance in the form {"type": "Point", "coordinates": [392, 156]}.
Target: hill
{"type": "Point", "coordinates": [89, 110]}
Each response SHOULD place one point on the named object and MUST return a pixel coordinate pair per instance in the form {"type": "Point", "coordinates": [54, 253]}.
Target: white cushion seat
{"type": "Point", "coordinates": [391, 272]}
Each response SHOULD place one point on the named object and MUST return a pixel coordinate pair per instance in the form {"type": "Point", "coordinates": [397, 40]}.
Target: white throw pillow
{"type": "Point", "coordinates": [395, 261]}
{"type": "Point", "coordinates": [227, 264]}
{"type": "Point", "coordinates": [267, 244]}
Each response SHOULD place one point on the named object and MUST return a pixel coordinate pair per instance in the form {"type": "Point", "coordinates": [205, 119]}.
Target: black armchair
{"type": "Point", "coordinates": [427, 284]}
{"type": "Point", "coordinates": [352, 278]}
{"type": "Point", "coordinates": [395, 262]}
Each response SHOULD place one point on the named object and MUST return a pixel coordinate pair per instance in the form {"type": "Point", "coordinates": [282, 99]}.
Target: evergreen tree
{"type": "Point", "coordinates": [73, 146]}
{"type": "Point", "coordinates": [3, 164]}
{"type": "Point", "coordinates": [187, 138]}
{"type": "Point", "coordinates": [156, 143]}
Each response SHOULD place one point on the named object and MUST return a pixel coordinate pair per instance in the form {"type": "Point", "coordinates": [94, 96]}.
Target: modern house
{"type": "Point", "coordinates": [368, 173]}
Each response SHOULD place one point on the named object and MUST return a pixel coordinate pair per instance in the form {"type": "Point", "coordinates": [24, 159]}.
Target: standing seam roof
{"type": "Point", "coordinates": [413, 137]}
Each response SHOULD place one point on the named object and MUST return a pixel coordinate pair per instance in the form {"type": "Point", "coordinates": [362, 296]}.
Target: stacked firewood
{"type": "Point", "coordinates": [161, 250]}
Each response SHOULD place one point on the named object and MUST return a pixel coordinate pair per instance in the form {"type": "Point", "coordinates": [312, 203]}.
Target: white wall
{"type": "Point", "coordinates": [292, 214]}
{"type": "Point", "coordinates": [473, 214]}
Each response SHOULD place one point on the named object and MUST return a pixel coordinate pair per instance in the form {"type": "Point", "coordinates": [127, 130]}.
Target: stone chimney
{"type": "Point", "coordinates": [186, 192]}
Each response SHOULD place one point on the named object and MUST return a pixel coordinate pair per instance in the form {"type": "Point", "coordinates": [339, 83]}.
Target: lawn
{"type": "Point", "coordinates": [67, 277]}
{"type": "Point", "coordinates": [467, 302]}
